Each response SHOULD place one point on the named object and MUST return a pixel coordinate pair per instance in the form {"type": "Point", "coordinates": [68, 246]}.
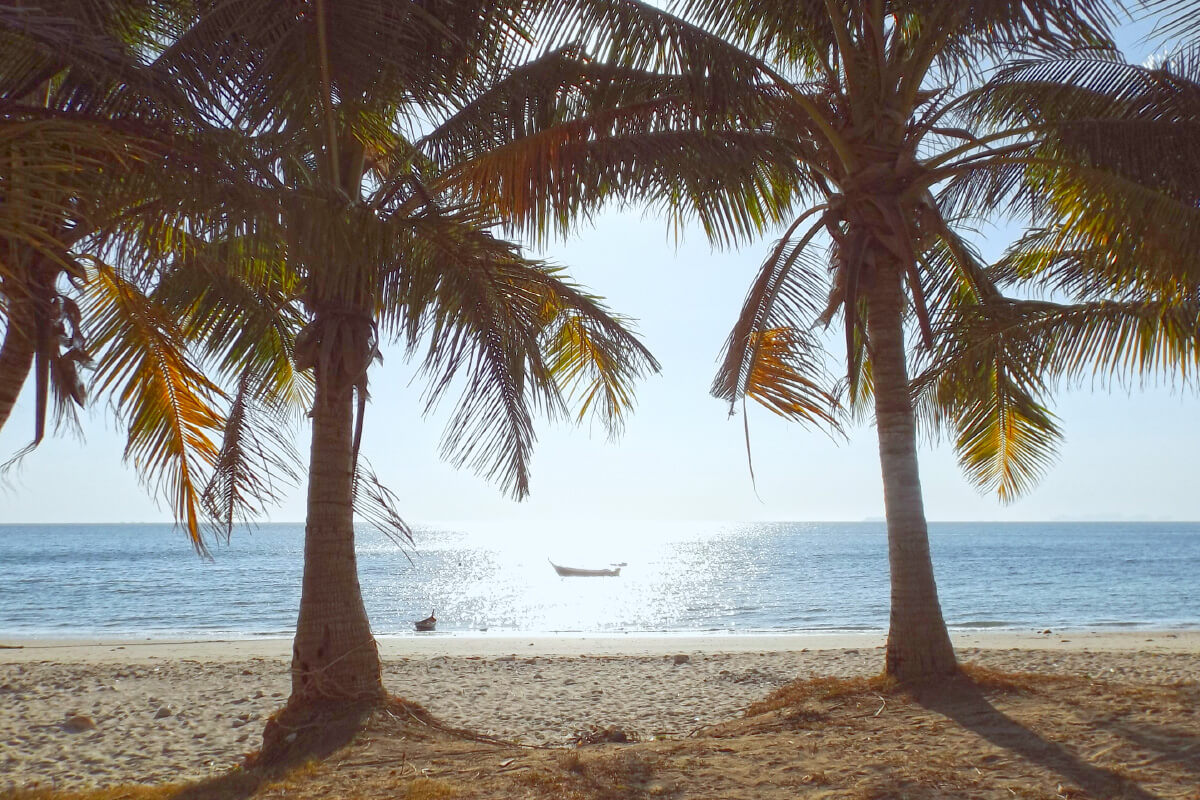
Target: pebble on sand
{"type": "Point", "coordinates": [77, 723]}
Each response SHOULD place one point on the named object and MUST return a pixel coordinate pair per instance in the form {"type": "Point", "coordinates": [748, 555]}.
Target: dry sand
{"type": "Point", "coordinates": [82, 713]}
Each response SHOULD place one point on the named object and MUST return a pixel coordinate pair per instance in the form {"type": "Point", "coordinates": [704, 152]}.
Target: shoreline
{"type": "Point", "coordinates": [129, 650]}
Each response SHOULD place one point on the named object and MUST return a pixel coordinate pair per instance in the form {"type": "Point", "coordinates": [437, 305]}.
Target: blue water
{"type": "Point", "coordinates": [144, 580]}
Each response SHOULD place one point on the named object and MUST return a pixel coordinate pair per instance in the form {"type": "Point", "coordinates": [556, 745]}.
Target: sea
{"type": "Point", "coordinates": [678, 578]}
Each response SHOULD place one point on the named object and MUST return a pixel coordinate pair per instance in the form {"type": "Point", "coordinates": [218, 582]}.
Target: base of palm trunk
{"type": "Point", "coordinates": [922, 657]}
{"type": "Point", "coordinates": [345, 669]}
{"type": "Point", "coordinates": [303, 731]}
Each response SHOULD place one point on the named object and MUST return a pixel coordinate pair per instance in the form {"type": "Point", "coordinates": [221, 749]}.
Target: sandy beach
{"type": "Point", "coordinates": [76, 713]}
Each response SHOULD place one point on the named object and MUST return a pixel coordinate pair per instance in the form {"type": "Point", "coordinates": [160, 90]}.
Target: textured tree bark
{"type": "Point", "coordinates": [334, 657]}
{"type": "Point", "coordinates": [16, 354]}
{"type": "Point", "coordinates": [918, 644]}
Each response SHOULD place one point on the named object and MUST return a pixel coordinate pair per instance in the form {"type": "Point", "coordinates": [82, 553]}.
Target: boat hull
{"type": "Point", "coordinates": [574, 572]}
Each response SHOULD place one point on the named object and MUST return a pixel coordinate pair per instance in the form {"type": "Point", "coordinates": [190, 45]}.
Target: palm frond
{"type": "Point", "coordinates": [378, 55]}
{"type": "Point", "coordinates": [512, 332]}
{"type": "Point", "coordinates": [49, 175]}
{"type": "Point", "coordinates": [734, 185]}
{"type": "Point", "coordinates": [475, 305]}
{"type": "Point", "coordinates": [1003, 357]}
{"type": "Point", "coordinates": [798, 33]}
{"type": "Point", "coordinates": [639, 35]}
{"type": "Point", "coordinates": [953, 269]}
{"type": "Point", "coordinates": [1108, 236]}
{"type": "Point", "coordinates": [489, 336]}
{"type": "Point", "coordinates": [65, 355]}
{"type": "Point", "coordinates": [1097, 107]}
{"type": "Point", "coordinates": [377, 505]}
{"type": "Point", "coordinates": [237, 300]}
{"type": "Point", "coordinates": [1174, 18]}
{"type": "Point", "coordinates": [771, 354]}
{"type": "Point", "coordinates": [986, 386]}
{"type": "Point", "coordinates": [256, 461]}
{"type": "Point", "coordinates": [782, 376]}
{"type": "Point", "coordinates": [1006, 439]}
{"type": "Point", "coordinates": [167, 403]}
{"type": "Point", "coordinates": [593, 357]}
{"type": "Point", "coordinates": [96, 57]}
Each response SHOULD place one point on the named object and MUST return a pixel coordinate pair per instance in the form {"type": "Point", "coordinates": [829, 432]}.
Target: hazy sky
{"type": "Point", "coordinates": [1128, 454]}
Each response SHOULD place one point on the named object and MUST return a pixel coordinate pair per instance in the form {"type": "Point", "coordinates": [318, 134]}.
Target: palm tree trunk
{"type": "Point", "coordinates": [16, 354]}
{"type": "Point", "coordinates": [918, 645]}
{"type": "Point", "coordinates": [334, 657]}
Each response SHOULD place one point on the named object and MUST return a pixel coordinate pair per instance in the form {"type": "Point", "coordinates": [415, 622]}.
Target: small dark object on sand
{"type": "Point", "coordinates": [427, 624]}
{"type": "Point", "coordinates": [598, 734]}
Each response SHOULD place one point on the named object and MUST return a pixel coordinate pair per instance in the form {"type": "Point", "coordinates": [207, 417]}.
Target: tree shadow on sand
{"type": "Point", "coordinates": [1173, 745]}
{"type": "Point", "coordinates": [230, 786]}
{"type": "Point", "coordinates": [293, 738]}
{"type": "Point", "coordinates": [964, 703]}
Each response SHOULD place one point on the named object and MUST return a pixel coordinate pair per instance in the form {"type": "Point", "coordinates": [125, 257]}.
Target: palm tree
{"type": "Point", "coordinates": [870, 123]}
{"type": "Point", "coordinates": [864, 98]}
{"type": "Point", "coordinates": [361, 194]}
{"type": "Point", "coordinates": [369, 126]}
{"type": "Point", "coordinates": [903, 144]}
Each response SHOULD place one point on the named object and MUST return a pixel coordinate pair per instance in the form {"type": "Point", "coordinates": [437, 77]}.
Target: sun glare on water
{"type": "Point", "coordinates": [499, 577]}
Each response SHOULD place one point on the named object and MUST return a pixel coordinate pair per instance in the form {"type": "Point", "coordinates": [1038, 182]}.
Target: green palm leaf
{"type": "Point", "coordinates": [987, 386]}
{"type": "Point", "coordinates": [256, 460]}
{"type": "Point", "coordinates": [520, 338]}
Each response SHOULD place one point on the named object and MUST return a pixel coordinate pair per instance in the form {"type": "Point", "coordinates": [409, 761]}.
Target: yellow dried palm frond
{"type": "Point", "coordinates": [779, 377]}
{"type": "Point", "coordinates": [990, 376]}
{"type": "Point", "coordinates": [772, 354]}
{"type": "Point", "coordinates": [1006, 439]}
{"type": "Point", "coordinates": [985, 385]}
{"type": "Point", "coordinates": [169, 406]}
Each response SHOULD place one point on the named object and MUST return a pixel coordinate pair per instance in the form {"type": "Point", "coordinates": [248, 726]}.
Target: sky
{"type": "Point", "coordinates": [1129, 453]}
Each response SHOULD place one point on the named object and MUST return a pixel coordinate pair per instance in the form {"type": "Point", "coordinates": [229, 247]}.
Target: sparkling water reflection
{"type": "Point", "coordinates": [680, 577]}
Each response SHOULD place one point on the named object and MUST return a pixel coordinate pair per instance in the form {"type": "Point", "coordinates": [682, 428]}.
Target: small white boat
{"type": "Point", "coordinates": [575, 572]}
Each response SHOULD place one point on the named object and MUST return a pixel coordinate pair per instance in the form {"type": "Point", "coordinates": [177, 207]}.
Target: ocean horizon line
{"type": "Point", "coordinates": [743, 521]}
